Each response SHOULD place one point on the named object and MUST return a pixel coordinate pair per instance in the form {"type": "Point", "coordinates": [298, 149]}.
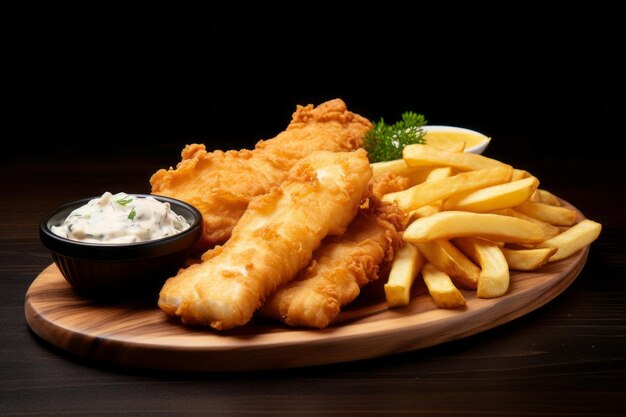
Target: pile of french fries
{"type": "Point", "coordinates": [470, 220]}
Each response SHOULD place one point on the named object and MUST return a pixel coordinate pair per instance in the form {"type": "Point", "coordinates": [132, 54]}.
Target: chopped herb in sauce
{"type": "Point", "coordinates": [121, 218]}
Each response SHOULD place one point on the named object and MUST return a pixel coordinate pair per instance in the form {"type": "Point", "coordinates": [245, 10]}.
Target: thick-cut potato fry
{"type": "Point", "coordinates": [447, 258]}
{"type": "Point", "coordinates": [548, 229]}
{"type": "Point", "coordinates": [527, 259]}
{"type": "Point", "coordinates": [425, 155]}
{"type": "Point", "coordinates": [419, 175]}
{"type": "Point", "coordinates": [573, 239]}
{"type": "Point", "coordinates": [548, 198]}
{"type": "Point", "coordinates": [465, 210]}
{"type": "Point", "coordinates": [415, 175]}
{"type": "Point", "coordinates": [493, 280]}
{"type": "Point", "coordinates": [441, 288]}
{"type": "Point", "coordinates": [451, 224]}
{"type": "Point", "coordinates": [397, 166]}
{"type": "Point", "coordinates": [424, 211]}
{"type": "Point", "coordinates": [558, 216]}
{"type": "Point", "coordinates": [535, 197]}
{"type": "Point", "coordinates": [388, 183]}
{"type": "Point", "coordinates": [435, 174]}
{"type": "Point", "coordinates": [439, 173]}
{"type": "Point", "coordinates": [434, 207]}
{"type": "Point", "coordinates": [430, 191]}
{"type": "Point", "coordinates": [495, 197]}
{"type": "Point", "coordinates": [407, 263]}
{"type": "Point", "coordinates": [520, 174]}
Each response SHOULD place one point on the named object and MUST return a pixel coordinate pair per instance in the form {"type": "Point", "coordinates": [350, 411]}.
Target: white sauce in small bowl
{"type": "Point", "coordinates": [121, 218]}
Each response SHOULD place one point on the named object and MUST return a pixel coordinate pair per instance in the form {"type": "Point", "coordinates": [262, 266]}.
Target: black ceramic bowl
{"type": "Point", "coordinates": [117, 270]}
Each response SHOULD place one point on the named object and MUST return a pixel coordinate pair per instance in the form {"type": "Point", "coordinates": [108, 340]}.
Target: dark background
{"type": "Point", "coordinates": [89, 79]}
{"type": "Point", "coordinates": [99, 95]}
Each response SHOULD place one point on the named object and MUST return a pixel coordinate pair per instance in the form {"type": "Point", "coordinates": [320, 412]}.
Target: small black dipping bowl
{"type": "Point", "coordinates": [100, 270]}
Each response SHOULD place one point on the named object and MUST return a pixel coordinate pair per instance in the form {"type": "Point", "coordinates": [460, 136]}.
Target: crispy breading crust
{"type": "Point", "coordinates": [340, 267]}
{"type": "Point", "coordinates": [388, 183]}
{"type": "Point", "coordinates": [274, 239]}
{"type": "Point", "coordinates": [221, 184]}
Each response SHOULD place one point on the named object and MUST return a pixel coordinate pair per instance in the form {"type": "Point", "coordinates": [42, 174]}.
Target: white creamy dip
{"type": "Point", "coordinates": [121, 218]}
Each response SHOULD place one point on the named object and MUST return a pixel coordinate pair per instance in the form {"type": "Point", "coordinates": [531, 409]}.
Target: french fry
{"type": "Point", "coordinates": [424, 211]}
{"type": "Point", "coordinates": [434, 207]}
{"type": "Point", "coordinates": [558, 216]}
{"type": "Point", "coordinates": [527, 259]}
{"type": "Point", "coordinates": [421, 174]}
{"type": "Point", "coordinates": [439, 173]}
{"type": "Point", "coordinates": [441, 288]}
{"type": "Point", "coordinates": [451, 224]}
{"type": "Point", "coordinates": [407, 263]}
{"type": "Point", "coordinates": [430, 191]}
{"type": "Point", "coordinates": [548, 229]}
{"type": "Point", "coordinates": [495, 197]}
{"type": "Point", "coordinates": [396, 166]}
{"type": "Point", "coordinates": [425, 155]}
{"type": "Point", "coordinates": [548, 198]}
{"type": "Point", "coordinates": [493, 280]}
{"type": "Point", "coordinates": [573, 239]}
{"type": "Point", "coordinates": [416, 175]}
{"type": "Point", "coordinates": [472, 220]}
{"type": "Point", "coordinates": [434, 175]}
{"type": "Point", "coordinates": [447, 258]}
{"type": "Point", "coordinates": [520, 174]}
{"type": "Point", "coordinates": [535, 197]}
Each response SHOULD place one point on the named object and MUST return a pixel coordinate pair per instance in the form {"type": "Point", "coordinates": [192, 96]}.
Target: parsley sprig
{"type": "Point", "coordinates": [386, 142]}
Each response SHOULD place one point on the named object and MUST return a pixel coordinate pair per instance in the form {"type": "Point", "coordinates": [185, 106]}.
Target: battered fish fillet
{"type": "Point", "coordinates": [340, 267]}
{"type": "Point", "coordinates": [274, 239]}
{"type": "Point", "coordinates": [221, 184]}
{"type": "Point", "coordinates": [388, 183]}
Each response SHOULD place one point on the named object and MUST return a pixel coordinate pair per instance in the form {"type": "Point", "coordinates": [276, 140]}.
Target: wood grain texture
{"type": "Point", "coordinates": [140, 335]}
{"type": "Point", "coordinates": [564, 359]}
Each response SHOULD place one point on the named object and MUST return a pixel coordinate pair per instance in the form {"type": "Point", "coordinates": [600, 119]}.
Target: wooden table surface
{"type": "Point", "coordinates": [566, 358]}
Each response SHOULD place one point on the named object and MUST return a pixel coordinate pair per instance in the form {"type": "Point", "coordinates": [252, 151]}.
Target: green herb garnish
{"type": "Point", "coordinates": [132, 214]}
{"type": "Point", "coordinates": [386, 142]}
{"type": "Point", "coordinates": [124, 201]}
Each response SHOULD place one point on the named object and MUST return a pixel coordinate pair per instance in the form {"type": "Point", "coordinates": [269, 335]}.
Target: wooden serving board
{"type": "Point", "coordinates": [139, 334]}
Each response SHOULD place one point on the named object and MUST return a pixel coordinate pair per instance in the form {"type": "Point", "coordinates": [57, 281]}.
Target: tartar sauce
{"type": "Point", "coordinates": [121, 218]}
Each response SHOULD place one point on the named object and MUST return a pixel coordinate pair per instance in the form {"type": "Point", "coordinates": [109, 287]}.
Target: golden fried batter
{"type": "Point", "coordinates": [221, 184]}
{"type": "Point", "coordinates": [340, 267]}
{"type": "Point", "coordinates": [274, 239]}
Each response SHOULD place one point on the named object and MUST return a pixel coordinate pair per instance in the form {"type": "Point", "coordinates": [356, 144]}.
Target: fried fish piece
{"type": "Point", "coordinates": [388, 183]}
{"type": "Point", "coordinates": [340, 267]}
{"type": "Point", "coordinates": [221, 184]}
{"type": "Point", "coordinates": [274, 239]}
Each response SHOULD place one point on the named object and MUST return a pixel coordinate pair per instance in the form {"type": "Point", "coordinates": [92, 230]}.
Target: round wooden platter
{"type": "Point", "coordinates": [139, 334]}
